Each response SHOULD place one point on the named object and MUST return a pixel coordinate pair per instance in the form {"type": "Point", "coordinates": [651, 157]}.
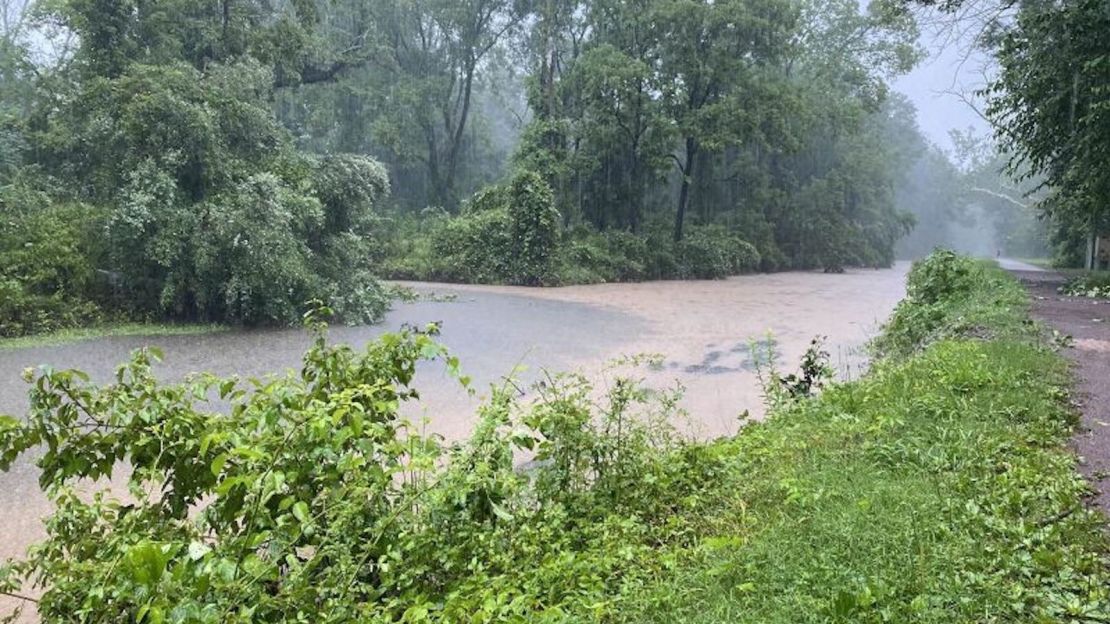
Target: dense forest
{"type": "Point", "coordinates": [232, 161]}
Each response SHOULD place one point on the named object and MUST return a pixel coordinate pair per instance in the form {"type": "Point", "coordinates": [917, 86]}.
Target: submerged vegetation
{"type": "Point", "coordinates": [935, 489]}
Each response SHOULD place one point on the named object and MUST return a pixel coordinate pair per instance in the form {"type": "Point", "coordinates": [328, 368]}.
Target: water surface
{"type": "Point", "coordinates": [703, 328]}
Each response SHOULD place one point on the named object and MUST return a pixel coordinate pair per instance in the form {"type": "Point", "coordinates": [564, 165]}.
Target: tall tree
{"type": "Point", "coordinates": [436, 49]}
{"type": "Point", "coordinates": [710, 57]}
{"type": "Point", "coordinates": [1051, 105]}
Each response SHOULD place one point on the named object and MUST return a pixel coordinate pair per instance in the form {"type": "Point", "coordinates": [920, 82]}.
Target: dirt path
{"type": "Point", "coordinates": [1087, 321]}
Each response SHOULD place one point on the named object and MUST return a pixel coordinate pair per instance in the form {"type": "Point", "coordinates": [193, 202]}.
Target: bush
{"type": "Point", "coordinates": [949, 295]}
{"type": "Point", "coordinates": [512, 235]}
{"type": "Point", "coordinates": [503, 235]}
{"type": "Point", "coordinates": [533, 230]}
{"type": "Point", "coordinates": [313, 495]}
{"type": "Point", "coordinates": [474, 247]}
{"type": "Point", "coordinates": [710, 252]}
{"type": "Point", "coordinates": [253, 265]}
{"type": "Point", "coordinates": [1092, 285]}
{"type": "Point", "coordinates": [255, 252]}
{"type": "Point", "coordinates": [944, 274]}
{"type": "Point", "coordinates": [45, 273]}
{"type": "Point", "coordinates": [588, 257]}
{"type": "Point", "coordinates": [349, 186]}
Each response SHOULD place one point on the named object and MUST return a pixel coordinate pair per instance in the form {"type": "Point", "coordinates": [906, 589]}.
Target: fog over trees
{"type": "Point", "coordinates": [152, 153]}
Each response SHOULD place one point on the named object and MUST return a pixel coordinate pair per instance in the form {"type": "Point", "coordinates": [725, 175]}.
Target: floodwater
{"type": "Point", "coordinates": [702, 329]}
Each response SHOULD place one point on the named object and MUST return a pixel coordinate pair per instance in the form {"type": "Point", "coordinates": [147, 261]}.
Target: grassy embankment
{"type": "Point", "coordinates": [936, 489]}
{"type": "Point", "coordinates": [78, 334]}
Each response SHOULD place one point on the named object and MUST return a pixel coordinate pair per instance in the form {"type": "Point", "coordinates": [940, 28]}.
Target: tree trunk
{"type": "Point", "coordinates": [684, 194]}
{"type": "Point", "coordinates": [448, 190]}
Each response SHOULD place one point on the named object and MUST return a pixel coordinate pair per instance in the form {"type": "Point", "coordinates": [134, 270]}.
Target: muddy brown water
{"type": "Point", "coordinates": [702, 328]}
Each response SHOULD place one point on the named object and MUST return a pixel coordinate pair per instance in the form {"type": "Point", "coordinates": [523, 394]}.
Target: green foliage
{"type": "Point", "coordinates": [713, 253]}
{"type": "Point", "coordinates": [612, 256]}
{"type": "Point", "coordinates": [949, 295]}
{"type": "Point", "coordinates": [814, 373]}
{"type": "Point", "coordinates": [1048, 103]}
{"type": "Point", "coordinates": [101, 330]}
{"type": "Point", "coordinates": [504, 235]}
{"type": "Point", "coordinates": [45, 275]}
{"type": "Point", "coordinates": [789, 145]}
{"type": "Point", "coordinates": [937, 489]}
{"type": "Point", "coordinates": [163, 125]}
{"type": "Point", "coordinates": [533, 229]}
{"type": "Point", "coordinates": [477, 247]}
{"type": "Point", "coordinates": [252, 265]}
{"type": "Point", "coordinates": [349, 186]}
{"type": "Point", "coordinates": [1095, 285]}
{"type": "Point", "coordinates": [312, 495]}
{"type": "Point", "coordinates": [180, 124]}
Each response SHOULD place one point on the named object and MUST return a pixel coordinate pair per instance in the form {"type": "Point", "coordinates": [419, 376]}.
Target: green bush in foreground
{"type": "Point", "coordinates": [936, 489]}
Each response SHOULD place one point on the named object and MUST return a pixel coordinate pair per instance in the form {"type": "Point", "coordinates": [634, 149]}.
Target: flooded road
{"type": "Point", "coordinates": [702, 328]}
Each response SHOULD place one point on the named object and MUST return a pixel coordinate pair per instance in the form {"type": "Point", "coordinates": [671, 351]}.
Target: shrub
{"type": "Point", "coordinates": [502, 235]}
{"type": "Point", "coordinates": [252, 266]}
{"type": "Point", "coordinates": [944, 274]}
{"type": "Point", "coordinates": [533, 229]}
{"type": "Point", "coordinates": [630, 254]}
{"type": "Point", "coordinates": [492, 197]}
{"type": "Point", "coordinates": [45, 273]}
{"type": "Point", "coordinates": [948, 295]}
{"type": "Point", "coordinates": [348, 186]}
{"type": "Point", "coordinates": [498, 239]}
{"type": "Point", "coordinates": [473, 247]}
{"type": "Point", "coordinates": [711, 252]}
{"type": "Point", "coordinates": [587, 256]}
{"type": "Point", "coordinates": [255, 252]}
{"type": "Point", "coordinates": [312, 495]}
{"type": "Point", "coordinates": [1093, 285]}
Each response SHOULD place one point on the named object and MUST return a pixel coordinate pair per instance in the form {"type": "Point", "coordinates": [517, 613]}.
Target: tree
{"type": "Point", "coordinates": [163, 121]}
{"type": "Point", "coordinates": [710, 57]}
{"type": "Point", "coordinates": [1050, 105]}
{"type": "Point", "coordinates": [435, 50]}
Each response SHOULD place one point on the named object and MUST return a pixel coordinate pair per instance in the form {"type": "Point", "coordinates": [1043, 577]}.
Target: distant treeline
{"type": "Point", "coordinates": [233, 160]}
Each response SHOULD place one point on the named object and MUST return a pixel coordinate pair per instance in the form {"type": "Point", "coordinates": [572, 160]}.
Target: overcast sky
{"type": "Point", "coordinates": [943, 70]}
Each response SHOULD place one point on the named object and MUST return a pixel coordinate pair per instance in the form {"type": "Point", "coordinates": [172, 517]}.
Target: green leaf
{"type": "Point", "coordinates": [502, 513]}
{"type": "Point", "coordinates": [300, 512]}
{"type": "Point", "coordinates": [197, 550]}
{"type": "Point", "coordinates": [218, 464]}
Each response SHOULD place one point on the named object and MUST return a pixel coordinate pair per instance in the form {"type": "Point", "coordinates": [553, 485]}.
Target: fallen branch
{"type": "Point", "coordinates": [18, 596]}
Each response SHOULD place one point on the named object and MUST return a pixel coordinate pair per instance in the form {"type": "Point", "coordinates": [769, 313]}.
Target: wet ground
{"type": "Point", "coordinates": [1087, 322]}
{"type": "Point", "coordinates": [702, 328]}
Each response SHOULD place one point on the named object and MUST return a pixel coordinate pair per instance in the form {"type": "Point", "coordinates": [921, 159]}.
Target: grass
{"type": "Point", "coordinates": [939, 488]}
{"type": "Point", "coordinates": [67, 336]}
